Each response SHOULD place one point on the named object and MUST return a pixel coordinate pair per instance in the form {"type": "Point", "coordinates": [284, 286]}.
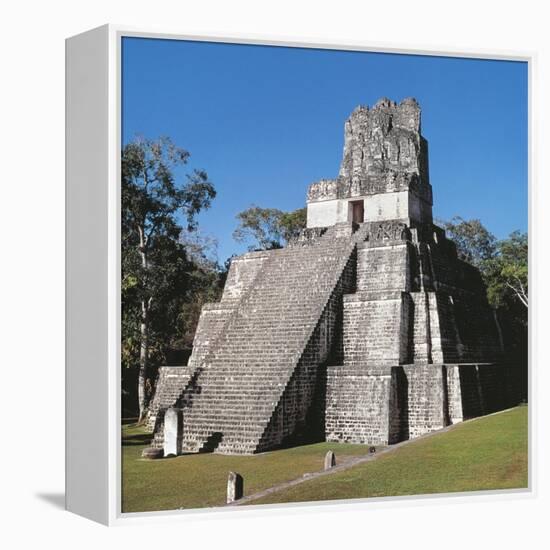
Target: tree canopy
{"type": "Point", "coordinates": [474, 243]}
{"type": "Point", "coordinates": [268, 228]}
{"type": "Point", "coordinates": [507, 271]}
{"type": "Point", "coordinates": [158, 276]}
{"type": "Point", "coordinates": [503, 263]}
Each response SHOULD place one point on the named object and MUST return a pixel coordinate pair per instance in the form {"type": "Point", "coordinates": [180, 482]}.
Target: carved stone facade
{"type": "Point", "coordinates": [365, 330]}
{"type": "Point", "coordinates": [385, 165]}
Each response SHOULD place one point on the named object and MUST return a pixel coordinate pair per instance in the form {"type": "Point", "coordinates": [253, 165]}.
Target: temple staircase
{"type": "Point", "coordinates": [241, 381]}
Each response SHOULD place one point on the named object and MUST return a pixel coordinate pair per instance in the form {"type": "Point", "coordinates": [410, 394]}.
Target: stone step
{"type": "Point", "coordinates": [252, 358]}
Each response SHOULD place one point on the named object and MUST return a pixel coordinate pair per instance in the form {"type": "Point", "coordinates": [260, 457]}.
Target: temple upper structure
{"type": "Point", "coordinates": [384, 171]}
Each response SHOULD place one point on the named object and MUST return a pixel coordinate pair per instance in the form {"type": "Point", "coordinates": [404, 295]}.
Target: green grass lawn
{"type": "Point", "coordinates": [487, 453]}
{"type": "Point", "coordinates": [199, 480]}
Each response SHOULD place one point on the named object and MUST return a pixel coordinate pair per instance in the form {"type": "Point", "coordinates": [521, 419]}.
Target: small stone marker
{"type": "Point", "coordinates": [171, 432]}
{"type": "Point", "coordinates": [152, 452]}
{"type": "Point", "coordinates": [330, 460]}
{"type": "Point", "coordinates": [235, 487]}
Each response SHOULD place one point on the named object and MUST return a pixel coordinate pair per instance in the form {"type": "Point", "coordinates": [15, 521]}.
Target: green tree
{"type": "Point", "coordinates": [268, 228]}
{"type": "Point", "coordinates": [503, 263]}
{"type": "Point", "coordinates": [291, 223]}
{"type": "Point", "coordinates": [507, 271]}
{"type": "Point", "coordinates": [474, 243]}
{"type": "Point", "coordinates": [155, 267]}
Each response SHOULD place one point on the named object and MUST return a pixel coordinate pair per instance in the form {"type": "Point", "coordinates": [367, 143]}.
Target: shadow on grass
{"type": "Point", "coordinates": [138, 439]}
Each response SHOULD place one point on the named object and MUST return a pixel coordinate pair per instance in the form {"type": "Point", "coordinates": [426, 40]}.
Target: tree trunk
{"type": "Point", "coordinates": [144, 333]}
{"type": "Point", "coordinates": [520, 293]}
{"type": "Point", "coordinates": [143, 361]}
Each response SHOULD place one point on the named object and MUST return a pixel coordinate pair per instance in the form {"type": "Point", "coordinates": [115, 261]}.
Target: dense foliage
{"type": "Point", "coordinates": [474, 243]}
{"type": "Point", "coordinates": [163, 280]}
{"type": "Point", "coordinates": [503, 263]}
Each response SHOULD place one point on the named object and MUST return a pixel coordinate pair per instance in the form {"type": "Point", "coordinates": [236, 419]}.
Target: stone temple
{"type": "Point", "coordinates": [367, 328]}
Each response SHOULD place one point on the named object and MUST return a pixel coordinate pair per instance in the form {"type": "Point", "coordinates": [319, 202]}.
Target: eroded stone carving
{"type": "Point", "coordinates": [388, 231]}
{"type": "Point", "coordinates": [323, 190]}
{"type": "Point", "coordinates": [386, 137]}
{"type": "Point", "coordinates": [307, 236]}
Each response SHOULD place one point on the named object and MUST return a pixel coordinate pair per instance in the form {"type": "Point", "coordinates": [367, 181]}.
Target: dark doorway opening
{"type": "Point", "coordinates": [357, 211]}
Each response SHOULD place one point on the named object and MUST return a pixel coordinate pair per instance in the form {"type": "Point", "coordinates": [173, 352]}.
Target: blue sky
{"type": "Point", "coordinates": [265, 122]}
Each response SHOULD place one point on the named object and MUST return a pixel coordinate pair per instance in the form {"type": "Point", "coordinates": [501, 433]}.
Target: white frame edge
{"type": "Point", "coordinates": [92, 281]}
{"type": "Point", "coordinates": [93, 143]}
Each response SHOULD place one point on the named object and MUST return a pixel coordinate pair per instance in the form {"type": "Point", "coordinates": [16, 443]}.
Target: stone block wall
{"type": "Point", "coordinates": [452, 329]}
{"type": "Point", "coordinates": [358, 404]}
{"type": "Point", "coordinates": [454, 394]}
{"type": "Point", "coordinates": [429, 397]}
{"type": "Point", "coordinates": [297, 416]}
{"type": "Point", "coordinates": [243, 272]}
{"type": "Point", "coordinates": [176, 385]}
{"type": "Point", "coordinates": [420, 333]}
{"type": "Point", "coordinates": [432, 396]}
{"type": "Point", "coordinates": [420, 312]}
{"type": "Point", "coordinates": [398, 413]}
{"type": "Point", "coordinates": [375, 328]}
{"type": "Point", "coordinates": [211, 323]}
{"type": "Point", "coordinates": [391, 404]}
{"type": "Point", "coordinates": [383, 267]}
{"type": "Point", "coordinates": [484, 389]}
{"type": "Point", "coordinates": [478, 330]}
{"type": "Point", "coordinates": [214, 317]}
{"type": "Point", "coordinates": [170, 382]}
{"type": "Point", "coordinates": [447, 343]}
{"type": "Point", "coordinates": [426, 398]}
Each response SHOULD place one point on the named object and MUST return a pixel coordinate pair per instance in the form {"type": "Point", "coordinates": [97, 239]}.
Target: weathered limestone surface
{"type": "Point", "coordinates": [252, 387]}
{"type": "Point", "coordinates": [176, 385]}
{"type": "Point", "coordinates": [385, 163]}
{"type": "Point", "coordinates": [170, 382]}
{"type": "Point", "coordinates": [384, 142]}
{"type": "Point", "coordinates": [330, 460]}
{"type": "Point", "coordinates": [172, 432]}
{"type": "Point", "coordinates": [357, 404]}
{"type": "Point", "coordinates": [363, 331]}
{"type": "Point", "coordinates": [235, 487]}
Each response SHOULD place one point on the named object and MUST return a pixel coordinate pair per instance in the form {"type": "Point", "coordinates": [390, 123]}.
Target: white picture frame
{"type": "Point", "coordinates": [93, 143]}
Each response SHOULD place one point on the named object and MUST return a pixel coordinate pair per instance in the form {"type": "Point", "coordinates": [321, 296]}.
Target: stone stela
{"type": "Point", "coordinates": [367, 328]}
{"type": "Point", "coordinates": [235, 487]}
{"type": "Point", "coordinates": [330, 460]}
{"type": "Point", "coordinates": [172, 432]}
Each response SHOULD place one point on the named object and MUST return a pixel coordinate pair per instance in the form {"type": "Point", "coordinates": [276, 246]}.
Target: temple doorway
{"type": "Point", "coordinates": [357, 211]}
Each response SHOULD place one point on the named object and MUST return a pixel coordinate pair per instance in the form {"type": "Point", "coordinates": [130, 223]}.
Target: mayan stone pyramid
{"type": "Point", "coordinates": [366, 329]}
